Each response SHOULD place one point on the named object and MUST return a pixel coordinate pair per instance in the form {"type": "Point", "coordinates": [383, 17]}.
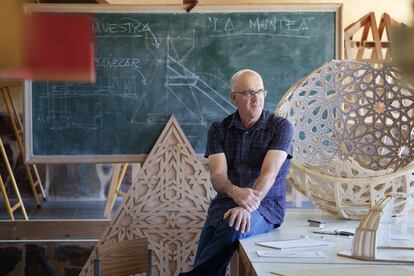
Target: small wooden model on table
{"type": "Point", "coordinates": [371, 239]}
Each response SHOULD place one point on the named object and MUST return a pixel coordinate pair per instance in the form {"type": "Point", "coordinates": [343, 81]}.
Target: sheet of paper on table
{"type": "Point", "coordinates": [291, 254]}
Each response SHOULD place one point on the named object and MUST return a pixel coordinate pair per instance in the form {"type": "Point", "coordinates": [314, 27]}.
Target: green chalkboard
{"type": "Point", "coordinates": [154, 65]}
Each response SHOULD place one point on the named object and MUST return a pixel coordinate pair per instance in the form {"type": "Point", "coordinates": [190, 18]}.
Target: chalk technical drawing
{"type": "Point", "coordinates": [133, 78]}
{"type": "Point", "coordinates": [183, 84]}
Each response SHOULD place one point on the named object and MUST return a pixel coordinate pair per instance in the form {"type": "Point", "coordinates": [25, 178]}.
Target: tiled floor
{"type": "Point", "coordinates": [76, 209]}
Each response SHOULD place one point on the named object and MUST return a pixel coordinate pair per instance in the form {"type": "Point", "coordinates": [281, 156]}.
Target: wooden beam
{"type": "Point", "coordinates": [52, 229]}
{"type": "Point", "coordinates": [369, 44]}
{"type": "Point", "coordinates": [142, 2]}
{"type": "Point", "coordinates": [68, 1]}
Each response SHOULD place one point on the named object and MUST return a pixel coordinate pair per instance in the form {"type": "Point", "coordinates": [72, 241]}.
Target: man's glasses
{"type": "Point", "coordinates": [251, 93]}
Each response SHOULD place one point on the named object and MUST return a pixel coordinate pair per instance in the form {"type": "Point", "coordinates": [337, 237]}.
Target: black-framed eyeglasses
{"type": "Point", "coordinates": [251, 93]}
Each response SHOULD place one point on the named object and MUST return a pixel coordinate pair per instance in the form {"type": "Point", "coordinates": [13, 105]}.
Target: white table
{"type": "Point", "coordinates": [294, 227]}
{"type": "Point", "coordinates": [332, 269]}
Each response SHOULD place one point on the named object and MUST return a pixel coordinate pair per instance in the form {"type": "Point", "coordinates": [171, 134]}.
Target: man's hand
{"type": "Point", "coordinates": [239, 218]}
{"type": "Point", "coordinates": [246, 198]}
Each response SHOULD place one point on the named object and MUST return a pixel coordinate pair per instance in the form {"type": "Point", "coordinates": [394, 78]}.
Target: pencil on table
{"type": "Point", "coordinates": [275, 273]}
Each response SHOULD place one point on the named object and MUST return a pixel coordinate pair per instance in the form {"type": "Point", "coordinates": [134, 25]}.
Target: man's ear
{"type": "Point", "coordinates": [233, 96]}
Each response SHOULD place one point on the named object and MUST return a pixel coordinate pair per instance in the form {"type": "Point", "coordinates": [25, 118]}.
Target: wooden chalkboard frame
{"type": "Point", "coordinates": [335, 8]}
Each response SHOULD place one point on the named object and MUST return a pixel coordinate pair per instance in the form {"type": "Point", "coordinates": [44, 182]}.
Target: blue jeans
{"type": "Point", "coordinates": [218, 241]}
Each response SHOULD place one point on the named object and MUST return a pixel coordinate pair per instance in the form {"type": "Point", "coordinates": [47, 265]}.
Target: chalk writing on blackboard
{"type": "Point", "coordinates": [271, 26]}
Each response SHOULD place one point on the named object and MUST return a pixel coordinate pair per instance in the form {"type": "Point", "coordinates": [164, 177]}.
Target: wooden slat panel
{"type": "Point", "coordinates": [126, 257]}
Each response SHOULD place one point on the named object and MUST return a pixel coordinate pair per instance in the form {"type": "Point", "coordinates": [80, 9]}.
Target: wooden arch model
{"type": "Point", "coordinates": [371, 237]}
{"type": "Point", "coordinates": [167, 203]}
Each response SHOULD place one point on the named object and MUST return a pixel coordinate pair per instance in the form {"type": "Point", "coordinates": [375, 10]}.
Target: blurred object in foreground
{"type": "Point", "coordinates": [45, 46]}
{"type": "Point", "coordinates": [59, 46]}
{"type": "Point", "coordinates": [364, 40]}
{"type": "Point", "coordinates": [11, 36]}
{"type": "Point", "coordinates": [403, 41]}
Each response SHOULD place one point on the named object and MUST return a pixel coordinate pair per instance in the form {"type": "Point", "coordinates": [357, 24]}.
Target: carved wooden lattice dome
{"type": "Point", "coordinates": [354, 137]}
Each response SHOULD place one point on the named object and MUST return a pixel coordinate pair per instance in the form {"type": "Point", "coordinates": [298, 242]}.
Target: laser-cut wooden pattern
{"type": "Point", "coordinates": [354, 139]}
{"type": "Point", "coordinates": [167, 203]}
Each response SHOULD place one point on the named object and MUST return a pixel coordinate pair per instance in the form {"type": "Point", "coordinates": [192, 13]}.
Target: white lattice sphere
{"type": "Point", "coordinates": [354, 137]}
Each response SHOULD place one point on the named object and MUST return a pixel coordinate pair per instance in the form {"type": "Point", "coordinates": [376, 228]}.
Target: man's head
{"type": "Point", "coordinates": [244, 84]}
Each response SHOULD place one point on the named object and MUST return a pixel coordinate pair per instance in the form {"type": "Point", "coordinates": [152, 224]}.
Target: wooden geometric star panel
{"type": "Point", "coordinates": [353, 136]}
{"type": "Point", "coordinates": [353, 111]}
{"type": "Point", "coordinates": [166, 203]}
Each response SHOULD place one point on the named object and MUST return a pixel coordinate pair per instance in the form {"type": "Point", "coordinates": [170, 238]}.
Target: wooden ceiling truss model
{"type": "Point", "coordinates": [365, 40]}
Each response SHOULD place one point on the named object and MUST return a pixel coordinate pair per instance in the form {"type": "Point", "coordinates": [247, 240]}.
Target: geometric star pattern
{"type": "Point", "coordinates": [167, 203]}
{"type": "Point", "coordinates": [352, 120]}
{"type": "Point", "coordinates": [354, 110]}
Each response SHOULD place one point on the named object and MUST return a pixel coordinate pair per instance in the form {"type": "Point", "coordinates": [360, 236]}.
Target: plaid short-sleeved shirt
{"type": "Point", "coordinates": [245, 150]}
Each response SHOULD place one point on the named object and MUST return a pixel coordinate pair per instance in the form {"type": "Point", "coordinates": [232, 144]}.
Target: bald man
{"type": "Point", "coordinates": [248, 154]}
